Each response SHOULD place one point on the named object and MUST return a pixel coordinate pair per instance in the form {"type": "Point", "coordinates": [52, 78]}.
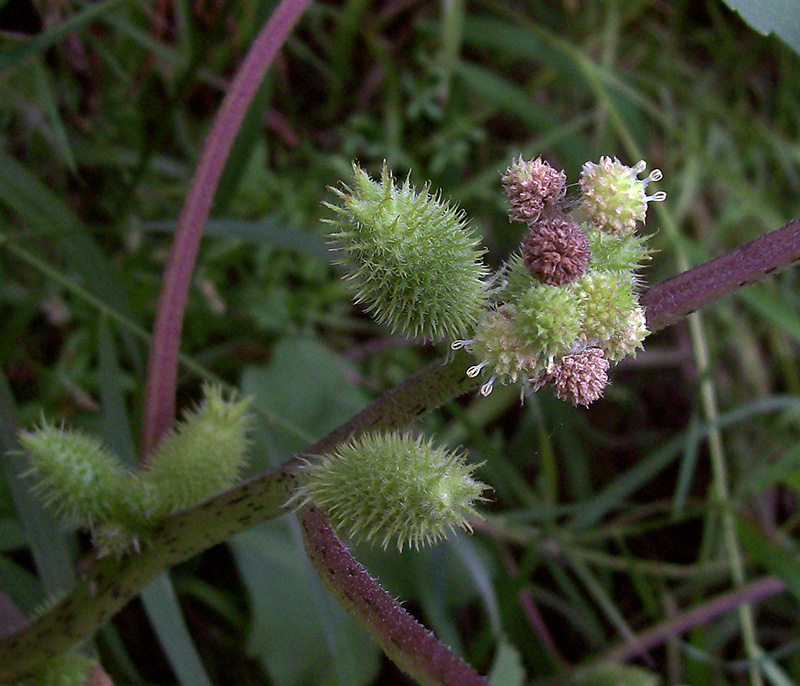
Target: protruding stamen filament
{"type": "Point", "coordinates": [458, 345]}
{"type": "Point", "coordinates": [655, 175]}
{"type": "Point", "coordinates": [660, 196]}
{"type": "Point", "coordinates": [486, 389]}
{"type": "Point", "coordinates": [473, 371]}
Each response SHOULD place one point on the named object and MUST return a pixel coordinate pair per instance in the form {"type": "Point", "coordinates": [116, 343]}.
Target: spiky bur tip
{"type": "Point", "coordinates": [75, 475]}
{"type": "Point", "coordinates": [617, 252]}
{"type": "Point", "coordinates": [203, 455]}
{"type": "Point", "coordinates": [556, 250]}
{"type": "Point", "coordinates": [614, 197]}
{"type": "Point", "coordinates": [409, 255]}
{"type": "Point", "coordinates": [532, 188]}
{"type": "Point", "coordinates": [393, 488]}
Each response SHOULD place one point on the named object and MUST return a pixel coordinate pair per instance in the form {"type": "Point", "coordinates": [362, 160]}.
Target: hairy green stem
{"type": "Point", "coordinates": [113, 582]}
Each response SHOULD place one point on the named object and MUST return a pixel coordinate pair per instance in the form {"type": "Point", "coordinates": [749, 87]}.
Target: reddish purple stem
{"type": "Point", "coordinates": [162, 371]}
{"type": "Point", "coordinates": [673, 299]}
{"type": "Point", "coordinates": [699, 616]}
{"type": "Point", "coordinates": [413, 647]}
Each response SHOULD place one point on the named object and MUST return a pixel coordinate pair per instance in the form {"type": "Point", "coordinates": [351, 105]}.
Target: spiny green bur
{"type": "Point", "coordinates": [411, 258]}
{"type": "Point", "coordinates": [76, 476]}
{"type": "Point", "coordinates": [203, 455]}
{"type": "Point", "coordinates": [392, 487]}
{"type": "Point", "coordinates": [84, 482]}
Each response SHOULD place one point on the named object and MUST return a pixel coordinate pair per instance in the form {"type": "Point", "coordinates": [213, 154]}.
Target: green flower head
{"type": "Point", "coordinates": [614, 197]}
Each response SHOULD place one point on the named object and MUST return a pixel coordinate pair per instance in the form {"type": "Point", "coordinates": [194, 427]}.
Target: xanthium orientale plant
{"type": "Point", "coordinates": [558, 313]}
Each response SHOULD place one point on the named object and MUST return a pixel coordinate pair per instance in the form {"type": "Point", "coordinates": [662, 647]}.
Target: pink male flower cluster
{"type": "Point", "coordinates": [567, 305]}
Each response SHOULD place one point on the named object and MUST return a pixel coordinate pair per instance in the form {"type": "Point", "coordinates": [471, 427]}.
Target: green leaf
{"type": "Point", "coordinates": [48, 99]}
{"type": "Point", "coordinates": [302, 635]}
{"type": "Point", "coordinates": [164, 610]}
{"type": "Point", "coordinates": [268, 230]}
{"type": "Point", "coordinates": [42, 530]}
{"type": "Point", "coordinates": [507, 668]}
{"type": "Point", "coordinates": [774, 558]}
{"type": "Point", "coordinates": [305, 387]}
{"type": "Point", "coordinates": [45, 39]}
{"type": "Point", "coordinates": [781, 17]}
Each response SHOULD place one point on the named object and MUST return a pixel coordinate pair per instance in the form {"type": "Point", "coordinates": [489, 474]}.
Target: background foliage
{"type": "Point", "coordinates": [605, 522]}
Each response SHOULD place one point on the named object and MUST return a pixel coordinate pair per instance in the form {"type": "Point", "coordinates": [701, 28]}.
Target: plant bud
{"type": "Point", "coordinates": [555, 250]}
{"type": "Point", "coordinates": [532, 187]}
{"type": "Point", "coordinates": [579, 377]}
{"type": "Point", "coordinates": [203, 455]}
{"type": "Point", "coordinates": [613, 195]}
{"type": "Point", "coordinates": [76, 475]}
{"type": "Point", "coordinates": [393, 488]}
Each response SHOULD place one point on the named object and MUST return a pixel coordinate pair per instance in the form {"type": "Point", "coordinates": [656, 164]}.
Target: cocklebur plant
{"type": "Point", "coordinates": [558, 313]}
{"type": "Point", "coordinates": [85, 483]}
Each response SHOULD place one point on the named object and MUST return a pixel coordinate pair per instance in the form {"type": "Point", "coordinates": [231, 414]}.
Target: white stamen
{"type": "Point", "coordinates": [473, 371]}
{"type": "Point", "coordinates": [654, 175]}
{"type": "Point", "coordinates": [486, 389]}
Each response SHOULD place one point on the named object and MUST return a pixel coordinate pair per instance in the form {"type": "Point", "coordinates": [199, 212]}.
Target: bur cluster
{"type": "Point", "coordinates": [84, 482]}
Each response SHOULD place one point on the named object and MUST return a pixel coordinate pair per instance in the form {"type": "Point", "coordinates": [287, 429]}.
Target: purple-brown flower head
{"type": "Point", "coordinates": [531, 187]}
{"type": "Point", "coordinates": [556, 250]}
{"type": "Point", "coordinates": [579, 378]}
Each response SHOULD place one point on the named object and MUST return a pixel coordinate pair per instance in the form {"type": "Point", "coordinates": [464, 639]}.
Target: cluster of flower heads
{"type": "Point", "coordinates": [566, 306]}
{"type": "Point", "coordinates": [558, 313]}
